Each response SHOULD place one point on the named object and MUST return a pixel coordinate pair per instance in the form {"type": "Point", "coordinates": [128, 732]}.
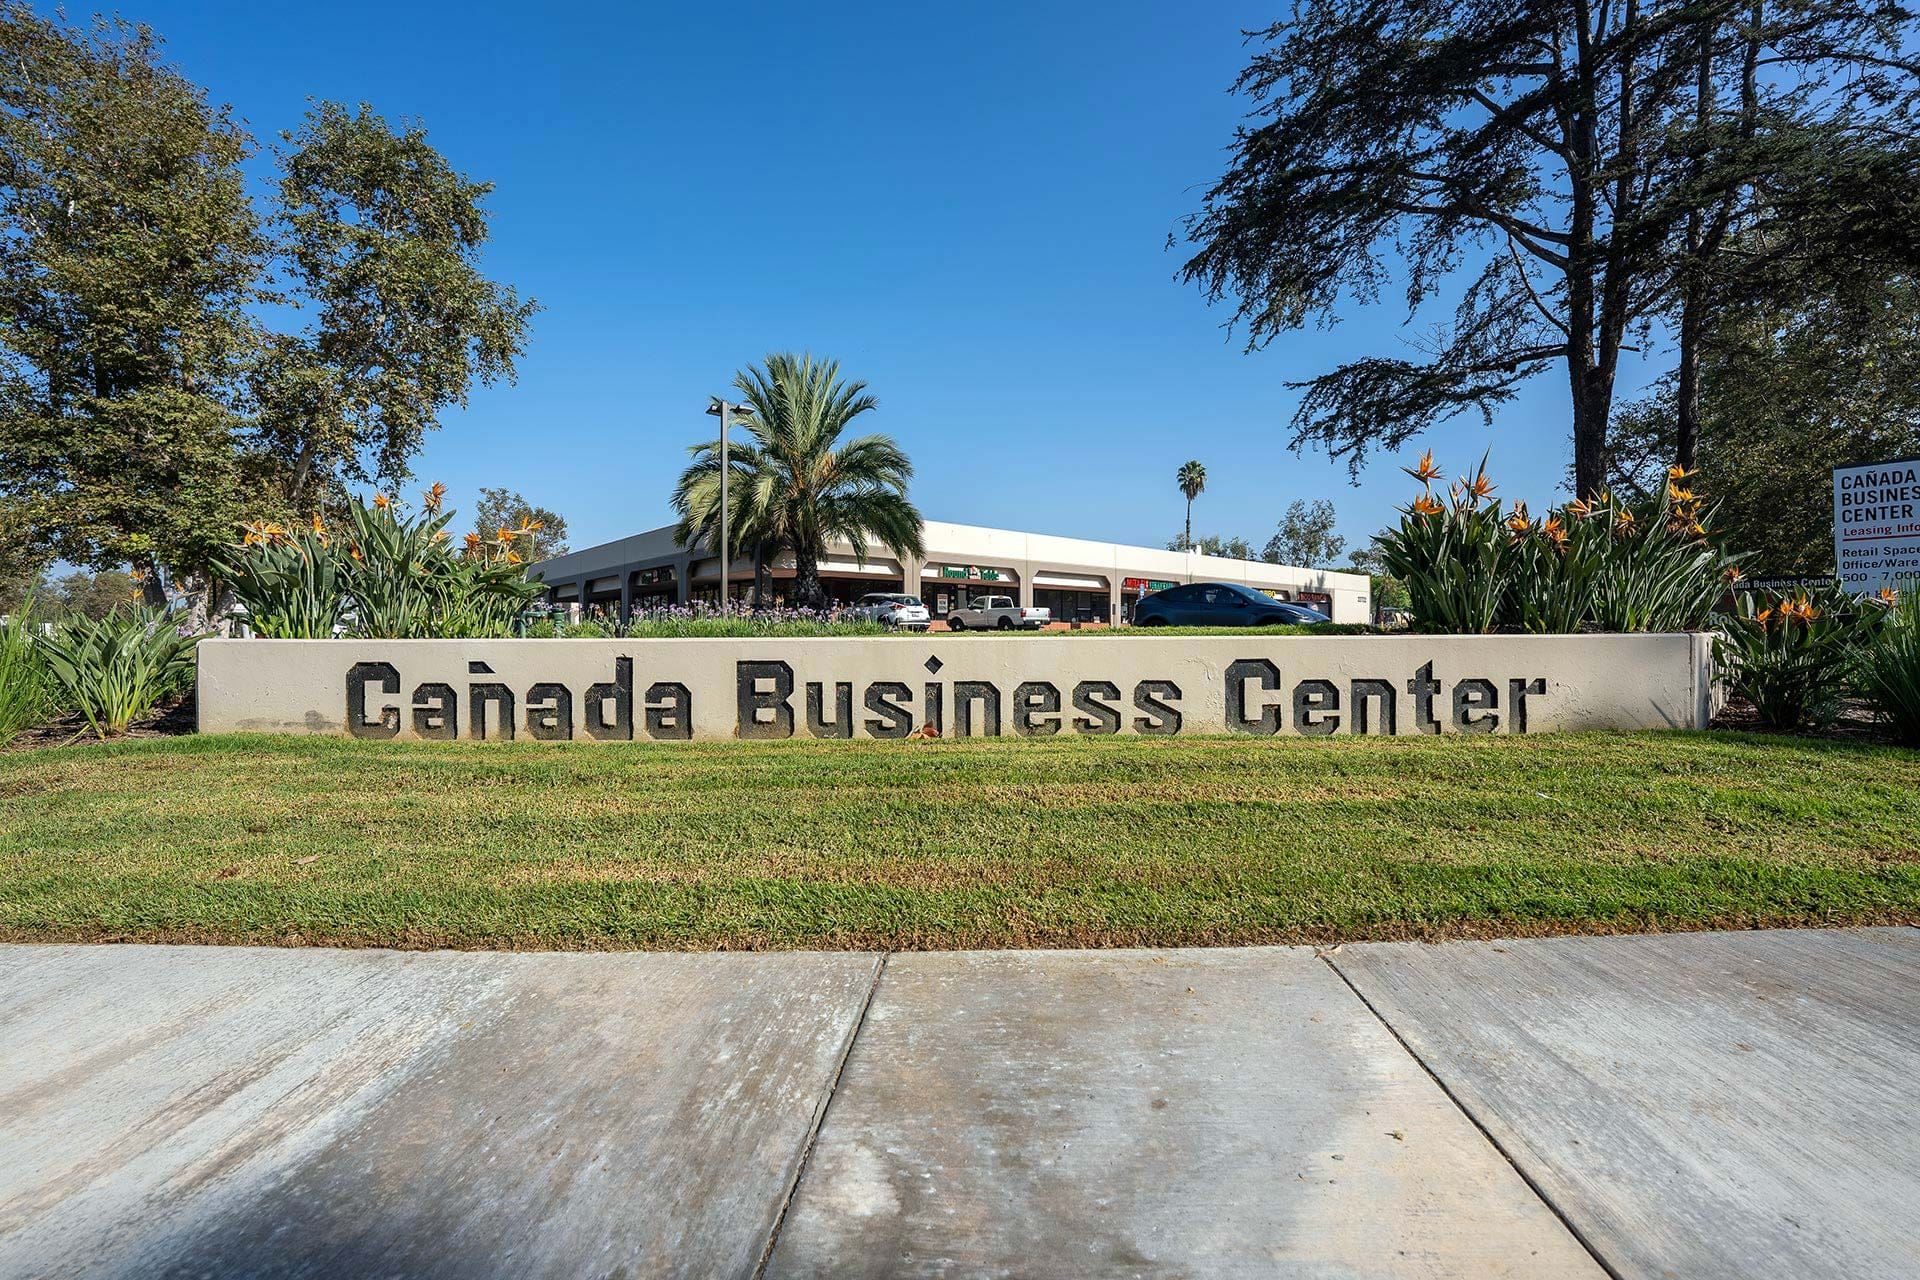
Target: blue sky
{"type": "Point", "coordinates": [968, 207]}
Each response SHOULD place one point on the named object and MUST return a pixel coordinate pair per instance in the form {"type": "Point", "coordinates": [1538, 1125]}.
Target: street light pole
{"type": "Point", "coordinates": [726, 412]}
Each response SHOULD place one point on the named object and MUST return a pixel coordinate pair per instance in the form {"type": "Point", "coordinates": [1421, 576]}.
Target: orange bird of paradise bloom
{"type": "Point", "coordinates": [1426, 472]}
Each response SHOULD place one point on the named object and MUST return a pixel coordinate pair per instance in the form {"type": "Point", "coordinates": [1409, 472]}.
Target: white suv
{"type": "Point", "coordinates": [902, 613]}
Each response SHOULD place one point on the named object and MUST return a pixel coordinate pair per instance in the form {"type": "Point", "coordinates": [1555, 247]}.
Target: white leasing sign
{"type": "Point", "coordinates": [1876, 524]}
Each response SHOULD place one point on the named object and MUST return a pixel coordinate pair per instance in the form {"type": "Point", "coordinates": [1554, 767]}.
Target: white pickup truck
{"type": "Point", "coordinates": [997, 613]}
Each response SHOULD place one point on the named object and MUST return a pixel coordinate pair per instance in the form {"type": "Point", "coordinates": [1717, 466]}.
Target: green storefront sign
{"type": "Point", "coordinates": [970, 572]}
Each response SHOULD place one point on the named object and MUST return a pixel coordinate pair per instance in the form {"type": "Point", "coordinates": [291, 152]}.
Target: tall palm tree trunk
{"type": "Point", "coordinates": [807, 592]}
{"type": "Point", "coordinates": [1187, 540]}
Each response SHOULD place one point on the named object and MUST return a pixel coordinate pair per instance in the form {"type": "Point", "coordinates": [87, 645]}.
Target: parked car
{"type": "Point", "coordinates": [903, 613]}
{"type": "Point", "coordinates": [997, 613]}
{"type": "Point", "coordinates": [1220, 604]}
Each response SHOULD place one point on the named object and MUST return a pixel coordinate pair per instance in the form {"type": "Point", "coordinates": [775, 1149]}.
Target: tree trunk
{"type": "Point", "coordinates": [1692, 282]}
{"type": "Point", "coordinates": [207, 601]}
{"type": "Point", "coordinates": [759, 576]}
{"type": "Point", "coordinates": [153, 591]}
{"type": "Point", "coordinates": [302, 473]}
{"type": "Point", "coordinates": [1589, 362]}
{"type": "Point", "coordinates": [806, 579]}
{"type": "Point", "coordinates": [1706, 233]}
{"type": "Point", "coordinates": [1186, 540]}
{"type": "Point", "coordinates": [1592, 402]}
{"type": "Point", "coordinates": [1693, 324]}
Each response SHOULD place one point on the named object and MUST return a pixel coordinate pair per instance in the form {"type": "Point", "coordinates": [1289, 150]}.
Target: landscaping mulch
{"type": "Point", "coordinates": [1856, 723]}
{"type": "Point", "coordinates": [72, 729]}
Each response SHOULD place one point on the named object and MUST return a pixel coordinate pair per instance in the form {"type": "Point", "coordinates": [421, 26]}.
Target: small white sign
{"type": "Point", "coordinates": [1876, 525]}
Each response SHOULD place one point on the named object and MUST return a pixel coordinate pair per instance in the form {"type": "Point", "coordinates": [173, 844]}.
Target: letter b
{"type": "Point", "coordinates": [752, 701]}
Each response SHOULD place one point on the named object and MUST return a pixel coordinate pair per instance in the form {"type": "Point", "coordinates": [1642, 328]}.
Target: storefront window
{"type": "Point", "coordinates": [1067, 605]}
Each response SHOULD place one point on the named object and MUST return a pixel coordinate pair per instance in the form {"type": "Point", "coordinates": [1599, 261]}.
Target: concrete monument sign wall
{"type": "Point", "coordinates": [965, 686]}
{"type": "Point", "coordinates": [1876, 525]}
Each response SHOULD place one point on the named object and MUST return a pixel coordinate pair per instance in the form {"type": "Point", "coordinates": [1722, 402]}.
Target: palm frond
{"type": "Point", "coordinates": [796, 486]}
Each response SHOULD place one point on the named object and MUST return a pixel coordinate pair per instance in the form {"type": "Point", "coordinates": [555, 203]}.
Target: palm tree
{"type": "Point", "coordinates": [794, 484]}
{"type": "Point", "coordinates": [1193, 478]}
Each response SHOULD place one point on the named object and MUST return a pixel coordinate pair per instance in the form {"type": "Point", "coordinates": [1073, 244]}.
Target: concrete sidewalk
{"type": "Point", "coordinates": [1680, 1105]}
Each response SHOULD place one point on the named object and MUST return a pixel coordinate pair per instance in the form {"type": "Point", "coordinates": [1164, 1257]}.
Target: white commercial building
{"type": "Point", "coordinates": [1079, 580]}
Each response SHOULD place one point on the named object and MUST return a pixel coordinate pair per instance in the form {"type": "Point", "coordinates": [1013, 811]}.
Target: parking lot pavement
{"type": "Point", "coordinates": [221, 1112]}
{"type": "Point", "coordinates": [1182, 1113]}
{"type": "Point", "coordinates": [1699, 1105]}
{"type": "Point", "coordinates": [1691, 1105]}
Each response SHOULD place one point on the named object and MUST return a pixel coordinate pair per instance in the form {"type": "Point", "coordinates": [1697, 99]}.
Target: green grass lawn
{"type": "Point", "coordinates": [950, 844]}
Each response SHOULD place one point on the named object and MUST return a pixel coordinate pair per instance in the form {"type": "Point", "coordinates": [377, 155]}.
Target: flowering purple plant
{"type": "Point", "coordinates": [711, 619]}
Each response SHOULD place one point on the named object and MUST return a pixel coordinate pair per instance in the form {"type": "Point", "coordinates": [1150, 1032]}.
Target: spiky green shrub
{"type": "Point", "coordinates": [116, 670]}
{"type": "Point", "coordinates": [385, 575]}
{"type": "Point", "coordinates": [1451, 555]}
{"type": "Point", "coordinates": [1889, 667]}
{"type": "Point", "coordinates": [1600, 564]}
{"type": "Point", "coordinates": [1793, 656]}
{"type": "Point", "coordinates": [1663, 570]}
{"type": "Point", "coordinates": [26, 694]}
{"type": "Point", "coordinates": [1552, 568]}
{"type": "Point", "coordinates": [290, 581]}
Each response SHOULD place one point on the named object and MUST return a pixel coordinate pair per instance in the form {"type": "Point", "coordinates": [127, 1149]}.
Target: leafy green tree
{"type": "Point", "coordinates": [147, 404]}
{"type": "Point", "coordinates": [380, 238]}
{"type": "Point", "coordinates": [1791, 388]}
{"type": "Point", "coordinates": [506, 509]}
{"type": "Point", "coordinates": [794, 483]}
{"type": "Point", "coordinates": [23, 562]}
{"type": "Point", "coordinates": [1790, 187]}
{"type": "Point", "coordinates": [91, 595]}
{"type": "Point", "coordinates": [1388, 592]}
{"type": "Point", "coordinates": [1305, 536]}
{"type": "Point", "coordinates": [1574, 159]}
{"type": "Point", "coordinates": [1212, 544]}
{"type": "Point", "coordinates": [1192, 478]}
{"type": "Point", "coordinates": [129, 256]}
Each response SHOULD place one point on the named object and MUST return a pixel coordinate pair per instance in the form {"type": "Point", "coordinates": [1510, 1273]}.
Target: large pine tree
{"type": "Point", "coordinates": [1568, 173]}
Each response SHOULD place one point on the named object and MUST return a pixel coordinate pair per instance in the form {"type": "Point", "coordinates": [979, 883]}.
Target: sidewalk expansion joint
{"type": "Point", "coordinates": [1474, 1120]}
{"type": "Point", "coordinates": [820, 1118]}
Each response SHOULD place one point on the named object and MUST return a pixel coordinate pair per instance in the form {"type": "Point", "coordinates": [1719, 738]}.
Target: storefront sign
{"type": "Point", "coordinates": [971, 572]}
{"type": "Point", "coordinates": [1876, 525]}
{"type": "Point", "coordinates": [891, 688]}
{"type": "Point", "coordinates": [1138, 585]}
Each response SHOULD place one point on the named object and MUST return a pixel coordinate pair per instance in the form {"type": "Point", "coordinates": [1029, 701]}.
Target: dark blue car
{"type": "Point", "coordinates": [1219, 604]}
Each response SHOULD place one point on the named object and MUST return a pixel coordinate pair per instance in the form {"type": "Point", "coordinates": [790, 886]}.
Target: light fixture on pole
{"type": "Point", "coordinates": [726, 413]}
